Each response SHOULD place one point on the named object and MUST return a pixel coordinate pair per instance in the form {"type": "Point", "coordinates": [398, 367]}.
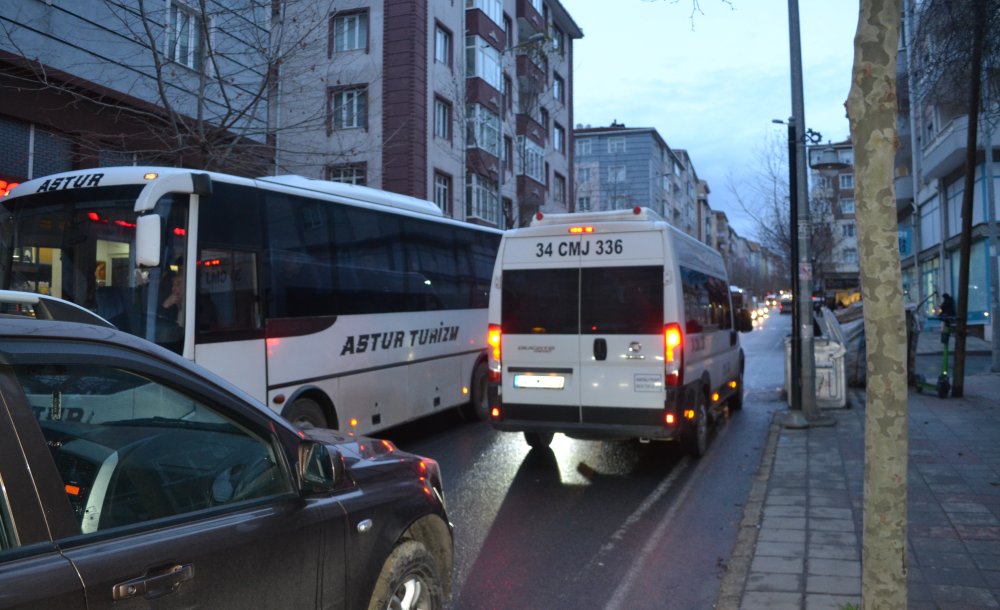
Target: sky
{"type": "Point", "coordinates": [712, 85]}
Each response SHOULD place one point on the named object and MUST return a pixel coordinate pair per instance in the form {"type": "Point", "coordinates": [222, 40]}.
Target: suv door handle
{"type": "Point", "coordinates": [160, 583]}
{"type": "Point", "coordinates": [600, 349]}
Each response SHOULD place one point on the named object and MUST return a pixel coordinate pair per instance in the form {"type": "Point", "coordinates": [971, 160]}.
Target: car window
{"type": "Point", "coordinates": [6, 530]}
{"type": "Point", "coordinates": [130, 449]}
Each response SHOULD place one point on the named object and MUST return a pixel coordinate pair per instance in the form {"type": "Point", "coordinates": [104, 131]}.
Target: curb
{"type": "Point", "coordinates": [738, 568]}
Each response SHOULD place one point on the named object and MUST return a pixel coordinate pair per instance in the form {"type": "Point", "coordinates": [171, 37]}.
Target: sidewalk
{"type": "Point", "coordinates": [799, 544]}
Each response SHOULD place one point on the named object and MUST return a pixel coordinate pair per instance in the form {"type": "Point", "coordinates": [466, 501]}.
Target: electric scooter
{"type": "Point", "coordinates": [943, 386]}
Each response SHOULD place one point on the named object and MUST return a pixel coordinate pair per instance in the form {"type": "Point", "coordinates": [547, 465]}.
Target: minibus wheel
{"type": "Point", "coordinates": [538, 440]}
{"type": "Point", "coordinates": [695, 438]}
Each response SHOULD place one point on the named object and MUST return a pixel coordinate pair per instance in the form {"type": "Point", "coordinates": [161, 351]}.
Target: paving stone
{"type": "Point", "coordinates": [774, 582]}
{"type": "Point", "coordinates": [831, 602]}
{"type": "Point", "coordinates": [778, 565]}
{"type": "Point", "coordinates": [780, 549]}
{"type": "Point", "coordinates": [769, 600]}
{"type": "Point", "coordinates": [841, 538]}
{"type": "Point", "coordinates": [832, 525]}
{"type": "Point", "coordinates": [836, 585]}
{"type": "Point", "coordinates": [834, 551]}
{"type": "Point", "coordinates": [822, 512]}
{"type": "Point", "coordinates": [784, 511]}
{"type": "Point", "coordinates": [973, 597]}
{"type": "Point", "coordinates": [781, 535]}
{"type": "Point", "coordinates": [834, 567]}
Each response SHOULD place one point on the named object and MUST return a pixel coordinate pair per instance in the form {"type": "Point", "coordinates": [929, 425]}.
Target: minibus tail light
{"type": "Point", "coordinates": [673, 354]}
{"type": "Point", "coordinates": [493, 336]}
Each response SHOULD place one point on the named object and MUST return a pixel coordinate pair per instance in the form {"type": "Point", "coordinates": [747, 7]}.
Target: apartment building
{"type": "Point", "coordinates": [619, 167]}
{"type": "Point", "coordinates": [466, 104]}
{"type": "Point", "coordinates": [930, 180]}
{"type": "Point", "coordinates": [834, 244]}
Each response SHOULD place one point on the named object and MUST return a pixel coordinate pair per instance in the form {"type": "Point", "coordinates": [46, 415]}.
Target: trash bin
{"type": "Point", "coordinates": [831, 380]}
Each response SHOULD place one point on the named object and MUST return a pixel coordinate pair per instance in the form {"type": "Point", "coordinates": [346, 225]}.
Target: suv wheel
{"type": "Point", "coordinates": [408, 581]}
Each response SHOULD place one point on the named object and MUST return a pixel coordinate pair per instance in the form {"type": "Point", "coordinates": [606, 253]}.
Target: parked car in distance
{"type": "Point", "coordinates": [785, 305]}
{"type": "Point", "coordinates": [133, 476]}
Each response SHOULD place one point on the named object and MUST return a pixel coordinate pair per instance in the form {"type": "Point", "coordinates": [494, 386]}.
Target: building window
{"type": "Point", "coordinates": [537, 5]}
{"type": "Point", "coordinates": [508, 154]}
{"type": "Point", "coordinates": [846, 181]}
{"type": "Point", "coordinates": [558, 41]}
{"type": "Point", "coordinates": [508, 85]}
{"type": "Point", "coordinates": [442, 45]}
{"type": "Point", "coordinates": [558, 137]}
{"type": "Point", "coordinates": [185, 43]}
{"type": "Point", "coordinates": [481, 198]}
{"type": "Point", "coordinates": [544, 119]}
{"type": "Point", "coordinates": [847, 229]}
{"type": "Point", "coordinates": [616, 145]}
{"type": "Point", "coordinates": [583, 174]}
{"type": "Point", "coordinates": [348, 108]}
{"type": "Point", "coordinates": [442, 192]}
{"type": "Point", "coordinates": [583, 204]}
{"type": "Point", "coordinates": [482, 129]}
{"type": "Point", "coordinates": [558, 88]}
{"type": "Point", "coordinates": [442, 118]}
{"type": "Point", "coordinates": [850, 256]}
{"type": "Point", "coordinates": [532, 159]}
{"type": "Point", "coordinates": [847, 205]}
{"type": "Point", "coordinates": [482, 61]}
{"type": "Point", "coordinates": [559, 188]}
{"type": "Point", "coordinates": [351, 173]}
{"type": "Point", "coordinates": [583, 146]}
{"type": "Point", "coordinates": [491, 8]}
{"type": "Point", "coordinates": [508, 28]}
{"type": "Point", "coordinates": [350, 31]}
{"type": "Point", "coordinates": [616, 173]}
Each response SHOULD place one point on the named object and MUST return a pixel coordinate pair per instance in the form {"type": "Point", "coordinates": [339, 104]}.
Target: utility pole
{"type": "Point", "coordinates": [802, 273]}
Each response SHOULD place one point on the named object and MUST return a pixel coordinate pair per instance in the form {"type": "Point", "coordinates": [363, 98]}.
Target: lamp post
{"type": "Point", "coordinates": [802, 272]}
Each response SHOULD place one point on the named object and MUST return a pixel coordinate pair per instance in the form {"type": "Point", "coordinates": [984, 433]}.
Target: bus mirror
{"type": "Point", "coordinates": [147, 241]}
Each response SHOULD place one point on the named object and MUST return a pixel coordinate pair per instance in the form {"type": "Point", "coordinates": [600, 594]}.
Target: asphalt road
{"type": "Point", "coordinates": [591, 524]}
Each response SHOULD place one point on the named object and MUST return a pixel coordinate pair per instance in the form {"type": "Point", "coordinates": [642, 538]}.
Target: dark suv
{"type": "Point", "coordinates": [127, 472]}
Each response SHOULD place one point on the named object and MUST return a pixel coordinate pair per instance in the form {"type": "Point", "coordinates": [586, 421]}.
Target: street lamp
{"type": "Point", "coordinates": [802, 327]}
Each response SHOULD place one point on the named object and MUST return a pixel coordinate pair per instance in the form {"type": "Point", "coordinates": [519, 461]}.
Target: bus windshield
{"type": "Point", "coordinates": [79, 245]}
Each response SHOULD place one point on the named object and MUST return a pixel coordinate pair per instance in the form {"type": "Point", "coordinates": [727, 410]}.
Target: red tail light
{"type": "Point", "coordinates": [493, 336]}
{"type": "Point", "coordinates": [673, 354]}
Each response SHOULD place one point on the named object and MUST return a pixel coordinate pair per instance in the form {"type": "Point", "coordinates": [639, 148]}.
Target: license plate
{"type": "Point", "coordinates": [540, 382]}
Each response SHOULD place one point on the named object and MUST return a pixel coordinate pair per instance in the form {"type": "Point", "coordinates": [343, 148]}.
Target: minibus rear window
{"type": "Point", "coordinates": [541, 301]}
{"type": "Point", "coordinates": [621, 300]}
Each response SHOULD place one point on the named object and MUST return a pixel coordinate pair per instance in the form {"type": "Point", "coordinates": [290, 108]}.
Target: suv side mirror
{"type": "Point", "coordinates": [321, 468]}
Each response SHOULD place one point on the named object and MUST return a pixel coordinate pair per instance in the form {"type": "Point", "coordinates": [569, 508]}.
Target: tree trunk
{"type": "Point", "coordinates": [872, 107]}
{"type": "Point", "coordinates": [965, 244]}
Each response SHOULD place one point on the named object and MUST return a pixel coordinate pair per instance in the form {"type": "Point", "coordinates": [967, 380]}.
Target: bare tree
{"type": "Point", "coordinates": [764, 197]}
{"type": "Point", "coordinates": [959, 42]}
{"type": "Point", "coordinates": [192, 87]}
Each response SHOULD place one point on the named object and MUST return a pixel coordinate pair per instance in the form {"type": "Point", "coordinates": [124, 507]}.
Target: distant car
{"type": "Point", "coordinates": [133, 476]}
{"type": "Point", "coordinates": [785, 305]}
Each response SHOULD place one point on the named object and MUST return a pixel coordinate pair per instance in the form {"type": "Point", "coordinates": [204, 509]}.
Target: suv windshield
{"type": "Point", "coordinates": [79, 245]}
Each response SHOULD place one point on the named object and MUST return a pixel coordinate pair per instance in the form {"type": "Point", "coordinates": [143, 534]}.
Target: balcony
{"type": "Point", "coordinates": [946, 152]}
{"type": "Point", "coordinates": [904, 191]}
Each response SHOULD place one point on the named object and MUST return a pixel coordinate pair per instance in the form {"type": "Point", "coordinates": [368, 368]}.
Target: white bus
{"type": "Point", "coordinates": [337, 305]}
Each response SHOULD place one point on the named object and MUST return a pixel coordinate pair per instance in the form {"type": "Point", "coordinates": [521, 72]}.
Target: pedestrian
{"type": "Point", "coordinates": [947, 306]}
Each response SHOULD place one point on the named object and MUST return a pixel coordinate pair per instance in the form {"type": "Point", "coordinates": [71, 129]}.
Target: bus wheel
{"type": "Point", "coordinates": [305, 413]}
{"type": "Point", "coordinates": [538, 440]}
{"type": "Point", "coordinates": [478, 407]}
{"type": "Point", "coordinates": [695, 438]}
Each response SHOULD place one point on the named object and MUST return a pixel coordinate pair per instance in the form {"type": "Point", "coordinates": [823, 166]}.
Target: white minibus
{"type": "Point", "coordinates": [610, 325]}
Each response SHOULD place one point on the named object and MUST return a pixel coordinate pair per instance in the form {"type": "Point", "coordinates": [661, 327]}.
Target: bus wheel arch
{"type": "Point", "coordinates": [478, 407]}
{"type": "Point", "coordinates": [311, 409]}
